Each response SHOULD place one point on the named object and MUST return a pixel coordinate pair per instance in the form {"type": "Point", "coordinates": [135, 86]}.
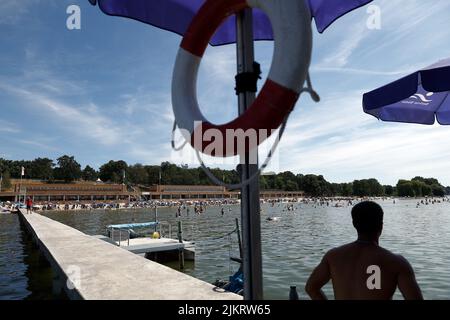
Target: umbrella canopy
{"type": "Point", "coordinates": [176, 15]}
{"type": "Point", "coordinates": [422, 97]}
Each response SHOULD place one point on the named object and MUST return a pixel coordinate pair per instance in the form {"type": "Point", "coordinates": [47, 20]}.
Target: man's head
{"type": "Point", "coordinates": [368, 218]}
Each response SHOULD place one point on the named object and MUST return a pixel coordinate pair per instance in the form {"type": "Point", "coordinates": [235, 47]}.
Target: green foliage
{"type": "Point", "coordinates": [6, 181]}
{"type": "Point", "coordinates": [89, 174]}
{"type": "Point", "coordinates": [68, 169]}
{"type": "Point", "coordinates": [368, 187]}
{"type": "Point", "coordinates": [113, 171]}
{"type": "Point", "coordinates": [41, 168]}
{"type": "Point", "coordinates": [420, 187]}
{"type": "Point", "coordinates": [314, 185]}
{"type": "Point", "coordinates": [447, 190]}
{"type": "Point", "coordinates": [168, 173]}
{"type": "Point", "coordinates": [405, 189]}
{"type": "Point", "coordinates": [389, 190]}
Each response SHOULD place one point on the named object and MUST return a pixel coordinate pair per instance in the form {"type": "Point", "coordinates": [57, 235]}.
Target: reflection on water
{"type": "Point", "coordinates": [13, 280]}
{"type": "Point", "coordinates": [292, 246]}
{"type": "Point", "coordinates": [24, 272]}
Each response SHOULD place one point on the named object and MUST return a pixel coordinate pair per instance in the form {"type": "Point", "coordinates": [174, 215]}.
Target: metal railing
{"type": "Point", "coordinates": [119, 235]}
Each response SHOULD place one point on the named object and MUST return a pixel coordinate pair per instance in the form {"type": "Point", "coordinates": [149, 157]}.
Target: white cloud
{"type": "Point", "coordinates": [340, 56]}
{"type": "Point", "coordinates": [345, 144]}
{"type": "Point", "coordinates": [81, 122]}
{"type": "Point", "coordinates": [8, 127]}
{"type": "Point", "coordinates": [38, 144]}
{"type": "Point", "coordinates": [13, 11]}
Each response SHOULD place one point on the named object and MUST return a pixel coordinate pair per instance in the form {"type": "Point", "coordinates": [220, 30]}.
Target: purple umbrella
{"type": "Point", "coordinates": [176, 15]}
{"type": "Point", "coordinates": [421, 97]}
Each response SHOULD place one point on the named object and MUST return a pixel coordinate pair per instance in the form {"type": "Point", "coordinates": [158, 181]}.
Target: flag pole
{"type": "Point", "coordinates": [20, 187]}
{"type": "Point", "coordinates": [250, 206]}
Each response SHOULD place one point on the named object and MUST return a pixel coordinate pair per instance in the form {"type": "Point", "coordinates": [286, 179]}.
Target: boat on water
{"type": "Point", "coordinates": [8, 207]}
{"type": "Point", "coordinates": [4, 210]}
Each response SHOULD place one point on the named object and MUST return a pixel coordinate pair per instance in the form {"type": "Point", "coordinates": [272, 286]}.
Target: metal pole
{"type": "Point", "coordinates": [238, 231]}
{"type": "Point", "coordinates": [20, 188]}
{"type": "Point", "coordinates": [250, 210]}
{"type": "Point", "coordinates": [156, 218]}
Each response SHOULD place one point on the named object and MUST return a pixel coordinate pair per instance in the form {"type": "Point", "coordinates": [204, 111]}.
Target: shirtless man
{"type": "Point", "coordinates": [362, 270]}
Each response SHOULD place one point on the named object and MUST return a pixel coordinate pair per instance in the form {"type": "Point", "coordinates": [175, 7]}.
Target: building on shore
{"type": "Point", "coordinates": [41, 191]}
{"type": "Point", "coordinates": [65, 192]}
{"type": "Point", "coordinates": [184, 192]}
{"type": "Point", "coordinates": [279, 194]}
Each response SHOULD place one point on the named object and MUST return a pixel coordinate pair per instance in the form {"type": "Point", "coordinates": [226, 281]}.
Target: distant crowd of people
{"type": "Point", "coordinates": [199, 206]}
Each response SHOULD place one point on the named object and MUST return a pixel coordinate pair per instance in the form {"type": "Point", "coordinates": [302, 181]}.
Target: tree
{"type": "Point", "coordinates": [360, 188]}
{"type": "Point", "coordinates": [113, 171]}
{"type": "Point", "coordinates": [6, 180]}
{"type": "Point", "coordinates": [137, 174]}
{"type": "Point", "coordinates": [42, 169]}
{"type": "Point", "coordinates": [68, 169]}
{"type": "Point", "coordinates": [405, 188]}
{"type": "Point", "coordinates": [153, 174]}
{"type": "Point", "coordinates": [367, 187]}
{"type": "Point", "coordinates": [389, 190]}
{"type": "Point", "coordinates": [314, 185]}
{"type": "Point", "coordinates": [438, 190]}
{"type": "Point", "coordinates": [89, 174]}
{"type": "Point", "coordinates": [291, 186]}
{"type": "Point", "coordinates": [417, 187]}
{"type": "Point", "coordinates": [426, 190]}
{"type": "Point", "coordinates": [263, 183]}
{"type": "Point", "coordinates": [447, 191]}
{"type": "Point", "coordinates": [347, 189]}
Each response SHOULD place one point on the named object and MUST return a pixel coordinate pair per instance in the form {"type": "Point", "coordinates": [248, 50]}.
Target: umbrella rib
{"type": "Point", "coordinates": [439, 107]}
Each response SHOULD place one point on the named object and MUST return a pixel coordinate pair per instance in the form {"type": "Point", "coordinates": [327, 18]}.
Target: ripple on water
{"type": "Point", "coordinates": [292, 247]}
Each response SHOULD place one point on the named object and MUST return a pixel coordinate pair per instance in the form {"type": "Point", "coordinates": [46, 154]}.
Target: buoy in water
{"type": "Point", "coordinates": [156, 235]}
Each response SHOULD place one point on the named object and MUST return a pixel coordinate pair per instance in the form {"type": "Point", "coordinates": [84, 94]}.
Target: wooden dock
{"type": "Point", "coordinates": [92, 269]}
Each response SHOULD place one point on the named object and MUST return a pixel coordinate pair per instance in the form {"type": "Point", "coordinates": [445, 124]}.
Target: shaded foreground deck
{"type": "Point", "coordinates": [92, 269]}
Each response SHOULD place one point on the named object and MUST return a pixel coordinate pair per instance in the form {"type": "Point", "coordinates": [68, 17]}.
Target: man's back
{"type": "Point", "coordinates": [362, 269]}
{"type": "Point", "coordinates": [365, 271]}
{"type": "Point", "coordinates": [352, 265]}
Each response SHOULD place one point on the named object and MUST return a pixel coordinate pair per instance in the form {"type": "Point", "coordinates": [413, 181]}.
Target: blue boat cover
{"type": "Point", "coordinates": [133, 225]}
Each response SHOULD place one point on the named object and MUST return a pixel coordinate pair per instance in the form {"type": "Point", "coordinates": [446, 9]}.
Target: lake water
{"type": "Point", "coordinates": [292, 246]}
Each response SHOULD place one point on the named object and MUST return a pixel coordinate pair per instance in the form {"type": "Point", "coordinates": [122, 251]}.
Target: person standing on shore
{"type": "Point", "coordinates": [363, 270]}
{"type": "Point", "coordinates": [29, 204]}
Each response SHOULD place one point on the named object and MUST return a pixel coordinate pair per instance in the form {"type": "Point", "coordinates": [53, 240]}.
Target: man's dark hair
{"type": "Point", "coordinates": [367, 217]}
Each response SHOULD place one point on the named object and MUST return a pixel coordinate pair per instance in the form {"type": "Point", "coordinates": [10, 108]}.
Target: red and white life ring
{"type": "Point", "coordinates": [291, 24]}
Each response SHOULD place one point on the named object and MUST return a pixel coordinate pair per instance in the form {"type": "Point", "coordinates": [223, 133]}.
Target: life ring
{"type": "Point", "coordinates": [291, 24]}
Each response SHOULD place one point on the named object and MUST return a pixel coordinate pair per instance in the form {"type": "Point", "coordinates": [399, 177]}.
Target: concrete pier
{"type": "Point", "coordinates": [91, 269]}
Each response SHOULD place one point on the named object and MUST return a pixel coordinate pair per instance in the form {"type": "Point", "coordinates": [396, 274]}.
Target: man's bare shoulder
{"type": "Point", "coordinates": [395, 258]}
{"type": "Point", "coordinates": [337, 251]}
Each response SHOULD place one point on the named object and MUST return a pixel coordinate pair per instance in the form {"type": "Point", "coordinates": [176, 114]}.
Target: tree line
{"type": "Point", "coordinates": [67, 169]}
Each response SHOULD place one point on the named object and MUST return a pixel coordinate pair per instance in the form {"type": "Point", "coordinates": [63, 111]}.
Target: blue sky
{"type": "Point", "coordinates": [103, 92]}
